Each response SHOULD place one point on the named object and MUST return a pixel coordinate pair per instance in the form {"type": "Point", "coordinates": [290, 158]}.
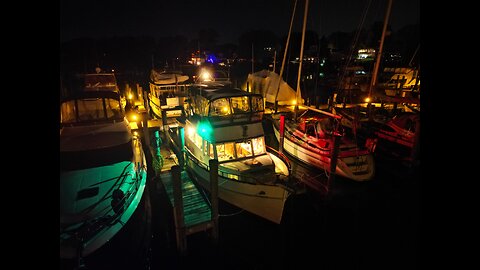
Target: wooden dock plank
{"type": "Point", "coordinates": [196, 209]}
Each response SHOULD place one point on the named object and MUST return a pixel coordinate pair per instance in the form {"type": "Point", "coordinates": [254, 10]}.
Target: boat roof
{"type": "Point", "coordinates": [216, 91]}
{"type": "Point", "coordinates": [92, 94]}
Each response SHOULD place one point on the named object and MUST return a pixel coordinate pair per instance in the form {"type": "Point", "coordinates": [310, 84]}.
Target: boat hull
{"type": "Point", "coordinates": [264, 200]}
{"type": "Point", "coordinates": [74, 208]}
{"type": "Point", "coordinates": [358, 168]}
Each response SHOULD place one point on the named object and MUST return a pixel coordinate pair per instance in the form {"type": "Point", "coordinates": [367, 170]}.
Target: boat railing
{"type": "Point", "coordinates": [170, 88]}
{"type": "Point", "coordinates": [282, 157]}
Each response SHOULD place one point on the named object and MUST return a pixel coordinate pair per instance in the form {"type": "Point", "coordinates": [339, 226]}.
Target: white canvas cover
{"type": "Point", "coordinates": [265, 82]}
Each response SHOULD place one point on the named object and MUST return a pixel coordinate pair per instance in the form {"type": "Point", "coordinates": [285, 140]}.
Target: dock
{"type": "Point", "coordinates": [193, 211]}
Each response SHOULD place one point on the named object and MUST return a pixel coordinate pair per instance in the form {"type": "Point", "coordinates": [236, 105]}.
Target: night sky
{"type": "Point", "coordinates": [157, 18]}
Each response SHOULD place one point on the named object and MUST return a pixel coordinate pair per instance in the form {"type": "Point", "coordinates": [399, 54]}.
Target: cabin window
{"type": "Point", "coordinates": [67, 112]}
{"type": "Point", "coordinates": [257, 104]}
{"type": "Point", "coordinates": [244, 149]}
{"type": "Point", "coordinates": [90, 109]}
{"type": "Point", "coordinates": [225, 151]}
{"type": "Point", "coordinates": [199, 105]}
{"type": "Point", "coordinates": [211, 153]}
{"type": "Point", "coordinates": [220, 107]}
{"type": "Point", "coordinates": [205, 148]}
{"type": "Point", "coordinates": [240, 105]}
{"type": "Point", "coordinates": [198, 140]}
{"type": "Point", "coordinates": [113, 108]}
{"type": "Point", "coordinates": [258, 146]}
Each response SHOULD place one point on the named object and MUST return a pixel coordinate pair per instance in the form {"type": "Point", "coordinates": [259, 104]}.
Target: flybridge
{"type": "Point", "coordinates": [101, 82]}
{"type": "Point", "coordinates": [225, 103]}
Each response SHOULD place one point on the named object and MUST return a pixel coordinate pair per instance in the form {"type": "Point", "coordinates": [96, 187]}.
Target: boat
{"type": "Point", "coordinates": [102, 81]}
{"type": "Point", "coordinates": [102, 171]}
{"type": "Point", "coordinates": [309, 138]}
{"type": "Point", "coordinates": [396, 136]}
{"type": "Point", "coordinates": [225, 123]}
{"type": "Point", "coordinates": [167, 93]}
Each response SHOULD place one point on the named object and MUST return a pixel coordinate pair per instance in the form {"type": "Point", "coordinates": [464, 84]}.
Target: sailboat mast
{"type": "Point", "coordinates": [379, 55]}
{"type": "Point", "coordinates": [285, 54]}
{"type": "Point", "coordinates": [298, 95]}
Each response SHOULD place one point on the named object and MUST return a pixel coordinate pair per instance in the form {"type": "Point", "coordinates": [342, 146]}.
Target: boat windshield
{"type": "Point", "coordinates": [236, 105]}
{"type": "Point", "coordinates": [90, 110]}
{"type": "Point", "coordinates": [77, 160]}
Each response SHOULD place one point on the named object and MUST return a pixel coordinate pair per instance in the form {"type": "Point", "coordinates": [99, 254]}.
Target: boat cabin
{"type": "Point", "coordinates": [316, 127]}
{"type": "Point", "coordinates": [91, 107]}
{"type": "Point", "coordinates": [223, 105]}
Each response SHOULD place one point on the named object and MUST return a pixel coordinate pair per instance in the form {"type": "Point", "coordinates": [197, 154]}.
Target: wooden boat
{"type": "Point", "coordinates": [309, 138]}
{"type": "Point", "coordinates": [225, 123]}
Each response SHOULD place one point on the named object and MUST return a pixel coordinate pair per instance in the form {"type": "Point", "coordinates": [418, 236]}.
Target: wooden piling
{"type": "Point", "coordinates": [333, 158]}
{"type": "Point", "coordinates": [146, 134]}
{"type": "Point", "coordinates": [213, 164]}
{"type": "Point", "coordinates": [181, 140]}
{"type": "Point", "coordinates": [165, 125]}
{"type": "Point", "coordinates": [178, 210]}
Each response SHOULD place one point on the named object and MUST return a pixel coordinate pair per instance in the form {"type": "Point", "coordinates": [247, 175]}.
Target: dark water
{"type": "Point", "coordinates": [358, 226]}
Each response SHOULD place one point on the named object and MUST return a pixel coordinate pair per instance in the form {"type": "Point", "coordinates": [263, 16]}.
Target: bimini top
{"type": "Point", "coordinates": [216, 91]}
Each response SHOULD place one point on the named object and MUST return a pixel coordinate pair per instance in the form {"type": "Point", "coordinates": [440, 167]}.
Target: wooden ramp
{"type": "Point", "coordinates": [191, 211]}
{"type": "Point", "coordinates": [195, 208]}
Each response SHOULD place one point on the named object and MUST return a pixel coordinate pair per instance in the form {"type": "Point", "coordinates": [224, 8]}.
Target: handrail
{"type": "Point", "coordinates": [283, 157]}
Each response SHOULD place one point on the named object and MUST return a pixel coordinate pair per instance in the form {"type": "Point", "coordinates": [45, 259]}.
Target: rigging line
{"type": "Point", "coordinates": [285, 52]}
{"type": "Point", "coordinates": [91, 207]}
{"type": "Point", "coordinates": [355, 41]}
{"type": "Point", "coordinates": [415, 53]}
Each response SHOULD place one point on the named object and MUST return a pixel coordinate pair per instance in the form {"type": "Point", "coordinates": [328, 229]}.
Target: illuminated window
{"type": "Point", "coordinates": [257, 104]}
{"type": "Point", "coordinates": [211, 150]}
{"type": "Point", "coordinates": [240, 104]}
{"type": "Point", "coordinates": [244, 149]}
{"type": "Point", "coordinates": [90, 109]}
{"type": "Point", "coordinates": [225, 151]}
{"type": "Point", "coordinates": [198, 140]}
{"type": "Point", "coordinates": [220, 107]}
{"type": "Point", "coordinates": [67, 112]}
{"type": "Point", "coordinates": [258, 146]}
{"type": "Point", "coordinates": [113, 108]}
{"type": "Point", "coordinates": [205, 148]}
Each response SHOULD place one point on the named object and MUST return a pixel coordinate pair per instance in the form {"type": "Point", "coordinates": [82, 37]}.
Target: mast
{"type": "Point", "coordinates": [298, 94]}
{"type": "Point", "coordinates": [377, 62]}
{"type": "Point", "coordinates": [285, 54]}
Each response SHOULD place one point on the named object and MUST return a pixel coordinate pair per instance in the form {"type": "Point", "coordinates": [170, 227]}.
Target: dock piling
{"type": "Point", "coordinates": [178, 210]}
{"type": "Point", "coordinates": [213, 163]}
{"type": "Point", "coordinates": [333, 159]}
